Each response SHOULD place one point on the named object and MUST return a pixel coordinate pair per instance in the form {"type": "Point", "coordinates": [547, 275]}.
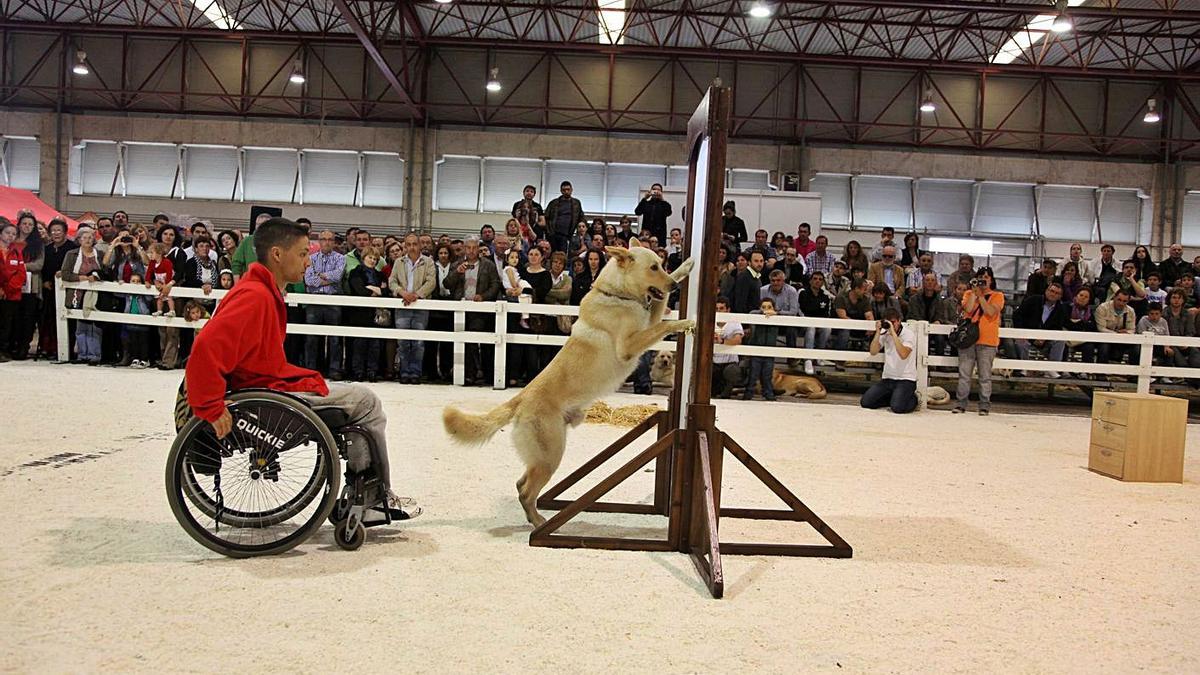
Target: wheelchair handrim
{"type": "Point", "coordinates": [184, 487]}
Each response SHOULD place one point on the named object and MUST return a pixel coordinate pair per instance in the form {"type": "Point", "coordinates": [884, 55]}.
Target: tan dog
{"type": "Point", "coordinates": [662, 368]}
{"type": "Point", "coordinates": [618, 320]}
{"type": "Point", "coordinates": [797, 385]}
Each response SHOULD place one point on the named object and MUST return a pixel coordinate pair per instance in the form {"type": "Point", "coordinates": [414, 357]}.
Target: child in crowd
{"type": "Point", "coordinates": [225, 281]}
{"type": "Point", "coordinates": [1153, 292]}
{"type": "Point", "coordinates": [514, 285]}
{"type": "Point", "coordinates": [194, 311]}
{"type": "Point", "coordinates": [1154, 323]}
{"type": "Point", "coordinates": [136, 337]}
{"type": "Point", "coordinates": [161, 274]}
{"type": "Point", "coordinates": [762, 368]}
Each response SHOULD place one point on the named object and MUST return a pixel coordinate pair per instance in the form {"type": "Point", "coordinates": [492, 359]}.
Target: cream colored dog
{"type": "Point", "coordinates": [803, 386]}
{"type": "Point", "coordinates": [662, 368]}
{"type": "Point", "coordinates": [618, 320]}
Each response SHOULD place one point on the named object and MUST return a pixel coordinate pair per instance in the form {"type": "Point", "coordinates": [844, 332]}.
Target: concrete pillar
{"type": "Point", "coordinates": [1167, 199]}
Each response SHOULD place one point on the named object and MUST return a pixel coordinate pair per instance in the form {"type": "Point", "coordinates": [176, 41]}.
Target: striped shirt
{"type": "Point", "coordinates": [820, 262]}
{"type": "Point", "coordinates": [332, 265]}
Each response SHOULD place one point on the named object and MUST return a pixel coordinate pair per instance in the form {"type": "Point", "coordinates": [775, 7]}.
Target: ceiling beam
{"type": "Point", "coordinates": [373, 50]}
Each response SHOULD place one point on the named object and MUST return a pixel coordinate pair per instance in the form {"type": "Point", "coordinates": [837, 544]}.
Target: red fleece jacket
{"type": "Point", "coordinates": [12, 274]}
{"type": "Point", "coordinates": [241, 347]}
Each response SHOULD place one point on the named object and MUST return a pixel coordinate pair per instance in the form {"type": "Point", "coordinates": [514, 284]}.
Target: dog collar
{"type": "Point", "coordinates": [644, 304]}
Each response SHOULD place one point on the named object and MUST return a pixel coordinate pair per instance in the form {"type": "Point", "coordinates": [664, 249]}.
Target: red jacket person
{"type": "Point", "coordinates": [242, 347]}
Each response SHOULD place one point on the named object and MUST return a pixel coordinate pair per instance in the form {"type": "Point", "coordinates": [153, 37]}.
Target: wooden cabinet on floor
{"type": "Point", "coordinates": [1138, 437]}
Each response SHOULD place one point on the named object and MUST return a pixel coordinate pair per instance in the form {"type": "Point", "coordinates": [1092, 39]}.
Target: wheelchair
{"type": "Point", "coordinates": [270, 483]}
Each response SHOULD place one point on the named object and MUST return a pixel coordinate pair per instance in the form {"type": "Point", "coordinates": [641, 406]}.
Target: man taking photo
{"type": "Point", "coordinates": [897, 390]}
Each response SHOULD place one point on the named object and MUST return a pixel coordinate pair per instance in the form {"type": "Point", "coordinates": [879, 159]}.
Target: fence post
{"type": "Point", "coordinates": [922, 331]}
{"type": "Point", "coordinates": [460, 349]}
{"type": "Point", "coordinates": [1145, 361]}
{"type": "Point", "coordinates": [60, 320]}
{"type": "Point", "coordinates": [500, 377]}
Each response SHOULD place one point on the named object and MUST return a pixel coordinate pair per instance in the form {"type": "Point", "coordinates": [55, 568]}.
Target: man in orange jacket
{"type": "Point", "coordinates": [241, 347]}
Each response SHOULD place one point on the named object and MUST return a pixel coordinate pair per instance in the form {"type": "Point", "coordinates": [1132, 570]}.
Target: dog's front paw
{"type": "Point", "coordinates": [684, 269]}
{"type": "Point", "coordinates": [687, 326]}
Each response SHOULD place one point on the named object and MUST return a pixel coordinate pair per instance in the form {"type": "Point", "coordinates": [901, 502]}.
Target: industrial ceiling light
{"type": "Point", "coordinates": [80, 67]}
{"type": "Point", "coordinates": [443, 2]}
{"type": "Point", "coordinates": [760, 10]}
{"type": "Point", "coordinates": [1152, 116]}
{"type": "Point", "coordinates": [1062, 21]}
{"type": "Point", "coordinates": [927, 105]}
{"type": "Point", "coordinates": [493, 83]}
{"type": "Point", "coordinates": [297, 76]}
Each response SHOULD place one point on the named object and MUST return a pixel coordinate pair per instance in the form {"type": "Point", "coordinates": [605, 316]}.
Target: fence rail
{"type": "Point", "coordinates": [1144, 369]}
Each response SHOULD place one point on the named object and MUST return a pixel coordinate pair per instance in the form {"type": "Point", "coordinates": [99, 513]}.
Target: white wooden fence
{"type": "Point", "coordinates": [1143, 370]}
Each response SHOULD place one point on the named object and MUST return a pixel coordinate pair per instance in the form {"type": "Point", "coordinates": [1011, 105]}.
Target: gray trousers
{"type": "Point", "coordinates": [365, 409]}
{"type": "Point", "coordinates": [975, 357]}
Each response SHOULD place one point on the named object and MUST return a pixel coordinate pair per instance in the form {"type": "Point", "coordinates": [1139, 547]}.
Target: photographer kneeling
{"type": "Point", "coordinates": [898, 388]}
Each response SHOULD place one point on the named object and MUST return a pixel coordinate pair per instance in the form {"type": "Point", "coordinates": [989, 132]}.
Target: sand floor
{"type": "Point", "coordinates": [981, 544]}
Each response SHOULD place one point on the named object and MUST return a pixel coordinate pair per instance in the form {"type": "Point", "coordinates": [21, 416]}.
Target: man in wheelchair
{"type": "Point", "coordinates": [241, 347]}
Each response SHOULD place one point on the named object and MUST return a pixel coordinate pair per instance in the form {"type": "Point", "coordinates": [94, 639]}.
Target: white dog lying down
{"type": "Point", "coordinates": [619, 319]}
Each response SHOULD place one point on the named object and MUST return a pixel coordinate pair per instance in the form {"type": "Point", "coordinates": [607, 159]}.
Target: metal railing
{"type": "Point", "coordinates": [499, 339]}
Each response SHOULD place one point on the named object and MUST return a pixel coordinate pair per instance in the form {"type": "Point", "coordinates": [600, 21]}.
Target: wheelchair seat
{"type": "Point", "coordinates": [334, 418]}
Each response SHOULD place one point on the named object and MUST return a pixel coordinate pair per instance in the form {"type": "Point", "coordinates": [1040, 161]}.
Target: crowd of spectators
{"type": "Point", "coordinates": [553, 254]}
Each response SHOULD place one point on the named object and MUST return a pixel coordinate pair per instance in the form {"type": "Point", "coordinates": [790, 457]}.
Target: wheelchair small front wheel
{"type": "Point", "coordinates": [349, 541]}
{"type": "Point", "coordinates": [261, 490]}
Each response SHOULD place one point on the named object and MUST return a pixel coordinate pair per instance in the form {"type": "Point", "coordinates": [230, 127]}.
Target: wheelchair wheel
{"type": "Point", "coordinates": [349, 541]}
{"type": "Point", "coordinates": [261, 490]}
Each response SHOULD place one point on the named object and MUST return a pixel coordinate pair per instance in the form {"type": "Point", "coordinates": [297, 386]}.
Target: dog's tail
{"type": "Point", "coordinates": [477, 429]}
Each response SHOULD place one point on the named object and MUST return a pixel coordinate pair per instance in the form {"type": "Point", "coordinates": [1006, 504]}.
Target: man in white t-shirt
{"type": "Point", "coordinates": [726, 370]}
{"type": "Point", "coordinates": [897, 390]}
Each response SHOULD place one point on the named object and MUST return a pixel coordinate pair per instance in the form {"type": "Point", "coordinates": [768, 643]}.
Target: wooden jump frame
{"type": "Point", "coordinates": [689, 449]}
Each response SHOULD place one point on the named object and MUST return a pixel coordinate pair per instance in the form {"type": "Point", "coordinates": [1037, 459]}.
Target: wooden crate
{"type": "Point", "coordinates": [1138, 437]}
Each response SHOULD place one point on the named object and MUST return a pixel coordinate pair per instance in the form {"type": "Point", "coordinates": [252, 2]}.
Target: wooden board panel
{"type": "Point", "coordinates": [1109, 435]}
{"type": "Point", "coordinates": [1106, 461]}
{"type": "Point", "coordinates": [1155, 443]}
{"type": "Point", "coordinates": [1110, 408]}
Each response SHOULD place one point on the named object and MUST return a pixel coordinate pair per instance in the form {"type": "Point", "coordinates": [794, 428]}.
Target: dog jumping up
{"type": "Point", "coordinates": [619, 319]}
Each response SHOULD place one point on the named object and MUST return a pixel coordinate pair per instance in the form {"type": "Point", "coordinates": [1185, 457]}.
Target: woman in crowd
{"type": "Point", "coordinates": [540, 281]}
{"type": "Point", "coordinates": [854, 257]}
{"type": "Point", "coordinates": [33, 251]}
{"type": "Point", "coordinates": [393, 251]}
{"type": "Point", "coordinates": [57, 247]}
{"type": "Point", "coordinates": [125, 257]}
{"type": "Point", "coordinates": [779, 244]}
{"type": "Point", "coordinates": [582, 282]}
{"type": "Point", "coordinates": [578, 265]}
{"type": "Point", "coordinates": [983, 305]}
{"type": "Point", "coordinates": [580, 240]}
{"type": "Point", "coordinates": [559, 294]}
{"type": "Point", "coordinates": [1069, 279]}
{"type": "Point", "coordinates": [912, 251]}
{"type": "Point", "coordinates": [610, 236]}
{"type": "Point", "coordinates": [12, 278]}
{"type": "Point", "coordinates": [84, 264]}
{"type": "Point", "coordinates": [365, 281]}
{"type": "Point", "coordinates": [227, 243]}
{"type": "Point", "coordinates": [141, 235]}
{"type": "Point", "coordinates": [439, 356]}
{"type": "Point", "coordinates": [168, 236]}
{"type": "Point", "coordinates": [1142, 263]}
{"type": "Point", "coordinates": [1081, 320]}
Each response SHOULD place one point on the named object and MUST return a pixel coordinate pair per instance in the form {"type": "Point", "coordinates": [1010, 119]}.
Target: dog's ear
{"type": "Point", "coordinates": [634, 243]}
{"type": "Point", "coordinates": [619, 255]}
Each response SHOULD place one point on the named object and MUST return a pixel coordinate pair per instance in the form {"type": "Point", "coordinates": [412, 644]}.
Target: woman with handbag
{"type": "Point", "coordinates": [366, 282]}
{"type": "Point", "coordinates": [983, 306]}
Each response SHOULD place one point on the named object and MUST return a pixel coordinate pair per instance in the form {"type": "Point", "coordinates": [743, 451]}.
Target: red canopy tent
{"type": "Point", "coordinates": [13, 200]}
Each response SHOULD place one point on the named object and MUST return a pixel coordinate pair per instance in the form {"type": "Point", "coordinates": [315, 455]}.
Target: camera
{"type": "Point", "coordinates": [126, 240]}
{"type": "Point", "coordinates": [977, 282]}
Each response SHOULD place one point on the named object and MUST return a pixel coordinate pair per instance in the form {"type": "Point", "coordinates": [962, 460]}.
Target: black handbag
{"type": "Point", "coordinates": [966, 333]}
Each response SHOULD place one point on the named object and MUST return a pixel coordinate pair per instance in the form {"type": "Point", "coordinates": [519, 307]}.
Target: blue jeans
{"type": "Point", "coordinates": [817, 338]}
{"type": "Point", "coordinates": [411, 353]}
{"type": "Point", "coordinates": [87, 341]}
{"type": "Point", "coordinates": [761, 370]}
{"type": "Point", "coordinates": [322, 315]}
{"type": "Point", "coordinates": [899, 395]}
